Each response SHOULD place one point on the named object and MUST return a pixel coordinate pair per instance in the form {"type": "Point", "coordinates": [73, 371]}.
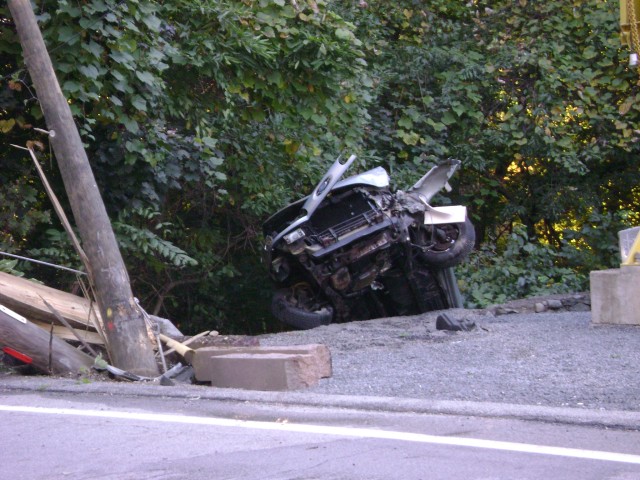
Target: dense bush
{"type": "Point", "coordinates": [517, 268]}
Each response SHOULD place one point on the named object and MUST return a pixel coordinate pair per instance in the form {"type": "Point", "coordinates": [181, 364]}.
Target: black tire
{"type": "Point", "coordinates": [284, 309]}
{"type": "Point", "coordinates": [432, 295]}
{"type": "Point", "coordinates": [456, 240]}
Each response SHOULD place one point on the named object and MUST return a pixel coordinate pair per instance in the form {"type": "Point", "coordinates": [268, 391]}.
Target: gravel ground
{"type": "Point", "coordinates": [551, 359]}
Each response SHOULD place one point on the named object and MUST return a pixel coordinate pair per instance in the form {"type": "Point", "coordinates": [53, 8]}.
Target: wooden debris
{"type": "Point", "coordinates": [186, 352]}
{"type": "Point", "coordinates": [26, 298]}
{"type": "Point", "coordinates": [62, 320]}
{"type": "Point", "coordinates": [189, 341]}
{"type": "Point", "coordinates": [31, 344]}
{"type": "Point", "coordinates": [41, 318]}
{"type": "Point", "coordinates": [64, 333]}
{"type": "Point", "coordinates": [30, 300]}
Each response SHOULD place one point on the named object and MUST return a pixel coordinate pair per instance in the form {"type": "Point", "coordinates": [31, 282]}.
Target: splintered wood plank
{"type": "Point", "coordinates": [26, 298]}
{"type": "Point", "coordinates": [64, 333]}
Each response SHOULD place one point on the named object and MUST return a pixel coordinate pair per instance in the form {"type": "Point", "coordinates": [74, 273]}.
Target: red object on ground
{"type": "Point", "coordinates": [16, 354]}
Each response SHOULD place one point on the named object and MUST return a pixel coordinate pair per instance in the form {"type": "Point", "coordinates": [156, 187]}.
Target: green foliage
{"type": "Point", "coordinates": [150, 246]}
{"type": "Point", "coordinates": [56, 248]}
{"type": "Point", "coordinates": [536, 99]}
{"type": "Point", "coordinates": [517, 269]}
{"type": "Point", "coordinates": [594, 245]}
{"type": "Point", "coordinates": [9, 266]}
{"type": "Point", "coordinates": [22, 211]}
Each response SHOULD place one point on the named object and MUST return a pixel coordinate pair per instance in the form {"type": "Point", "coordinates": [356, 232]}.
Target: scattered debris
{"type": "Point", "coordinates": [191, 340]}
{"type": "Point", "coordinates": [35, 346]}
{"type": "Point", "coordinates": [45, 329]}
{"type": "Point", "coordinates": [36, 322]}
{"type": "Point", "coordinates": [575, 302]}
{"type": "Point", "coordinates": [444, 322]}
{"type": "Point", "coordinates": [28, 299]}
{"type": "Point", "coordinates": [186, 352]}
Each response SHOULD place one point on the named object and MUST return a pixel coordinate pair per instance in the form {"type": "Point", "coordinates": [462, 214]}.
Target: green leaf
{"type": "Point", "coordinates": [305, 112]}
{"type": "Point", "coordinates": [139, 103]}
{"type": "Point", "coordinates": [343, 34]}
{"type": "Point", "coordinates": [152, 22]}
{"type": "Point", "coordinates": [589, 53]}
{"type": "Point", "coordinates": [130, 124]}
{"type": "Point", "coordinates": [275, 78]}
{"type": "Point", "coordinates": [71, 87]}
{"type": "Point", "coordinates": [123, 58]}
{"type": "Point", "coordinates": [209, 142]}
{"type": "Point", "coordinates": [449, 119]}
{"type": "Point", "coordinates": [409, 138]}
{"type": "Point", "coordinates": [94, 48]}
{"type": "Point", "coordinates": [319, 119]}
{"type": "Point", "coordinates": [99, 6]}
{"type": "Point", "coordinates": [437, 126]}
{"type": "Point", "coordinates": [405, 122]}
{"type": "Point", "coordinates": [7, 125]}
{"type": "Point", "coordinates": [458, 109]}
{"type": "Point", "coordinates": [145, 77]}
{"type": "Point", "coordinates": [67, 35]}
{"type": "Point", "coordinates": [90, 71]}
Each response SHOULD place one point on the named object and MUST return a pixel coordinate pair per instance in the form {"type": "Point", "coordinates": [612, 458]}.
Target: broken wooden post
{"type": "Point", "coordinates": [35, 346]}
{"type": "Point", "coordinates": [129, 346]}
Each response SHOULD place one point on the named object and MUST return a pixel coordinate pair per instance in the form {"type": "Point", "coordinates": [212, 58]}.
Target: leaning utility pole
{"type": "Point", "coordinates": [129, 345]}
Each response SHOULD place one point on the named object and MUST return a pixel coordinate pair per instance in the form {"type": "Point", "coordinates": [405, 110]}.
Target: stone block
{"type": "Point", "coordinates": [263, 368]}
{"type": "Point", "coordinates": [554, 304]}
{"type": "Point", "coordinates": [614, 296]}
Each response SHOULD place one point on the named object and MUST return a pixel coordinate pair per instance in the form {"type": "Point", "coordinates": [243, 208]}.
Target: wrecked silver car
{"type": "Point", "coordinates": [355, 250]}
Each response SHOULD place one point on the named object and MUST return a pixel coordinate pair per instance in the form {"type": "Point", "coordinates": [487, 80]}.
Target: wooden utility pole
{"type": "Point", "coordinates": [130, 348]}
{"type": "Point", "coordinates": [38, 347]}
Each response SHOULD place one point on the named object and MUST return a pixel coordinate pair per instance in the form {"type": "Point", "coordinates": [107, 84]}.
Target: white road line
{"type": "Point", "coordinates": [337, 431]}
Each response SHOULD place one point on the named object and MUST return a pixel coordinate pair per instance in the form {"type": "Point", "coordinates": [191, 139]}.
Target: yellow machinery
{"type": "Point", "coordinates": [630, 28]}
{"type": "Point", "coordinates": [629, 25]}
{"type": "Point", "coordinates": [630, 246]}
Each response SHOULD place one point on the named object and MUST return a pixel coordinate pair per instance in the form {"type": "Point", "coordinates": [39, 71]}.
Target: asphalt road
{"type": "Point", "coordinates": [64, 434]}
{"type": "Point", "coordinates": [521, 397]}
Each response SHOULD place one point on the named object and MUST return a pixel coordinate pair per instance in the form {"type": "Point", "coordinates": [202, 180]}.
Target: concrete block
{"type": "Point", "coordinates": [614, 296]}
{"type": "Point", "coordinates": [263, 368]}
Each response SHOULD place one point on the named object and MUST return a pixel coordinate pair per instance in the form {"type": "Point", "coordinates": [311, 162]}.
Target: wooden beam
{"type": "Point", "coordinates": [38, 347]}
{"type": "Point", "coordinates": [64, 333]}
{"type": "Point", "coordinates": [26, 298]}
